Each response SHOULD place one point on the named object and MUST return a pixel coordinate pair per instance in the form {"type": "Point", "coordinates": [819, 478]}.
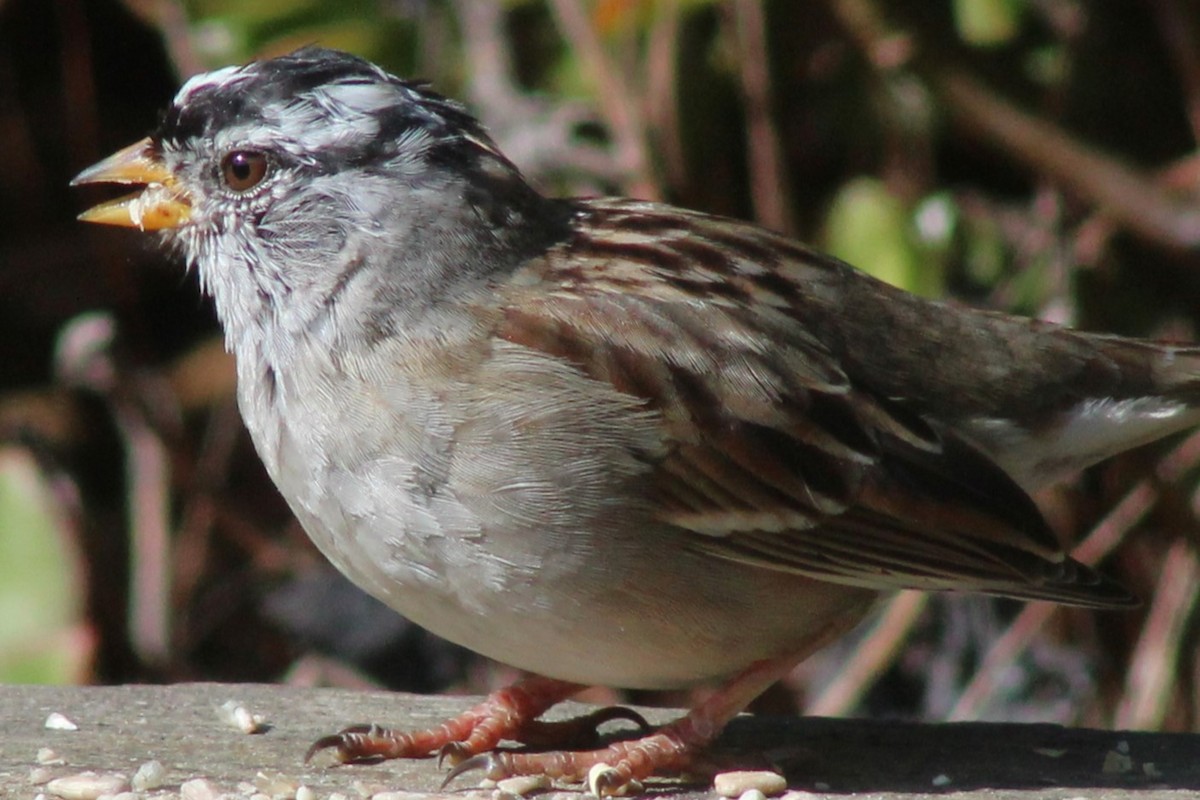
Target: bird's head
{"type": "Point", "coordinates": [291, 182]}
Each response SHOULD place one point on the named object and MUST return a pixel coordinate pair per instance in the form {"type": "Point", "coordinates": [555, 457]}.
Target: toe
{"type": "Point", "coordinates": [454, 753]}
{"type": "Point", "coordinates": [490, 764]}
{"type": "Point", "coordinates": [345, 743]}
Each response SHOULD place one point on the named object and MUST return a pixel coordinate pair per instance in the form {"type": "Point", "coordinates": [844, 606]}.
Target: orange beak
{"type": "Point", "coordinates": [161, 204]}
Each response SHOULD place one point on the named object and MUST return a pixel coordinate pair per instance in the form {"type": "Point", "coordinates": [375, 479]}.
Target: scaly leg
{"type": "Point", "coordinates": [509, 713]}
{"type": "Point", "coordinates": [670, 750]}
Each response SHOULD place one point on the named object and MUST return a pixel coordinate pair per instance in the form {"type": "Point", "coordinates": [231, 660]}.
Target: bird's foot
{"type": "Point", "coordinates": [674, 749]}
{"type": "Point", "coordinates": [577, 733]}
{"type": "Point", "coordinates": [615, 770]}
{"type": "Point", "coordinates": [468, 742]}
{"type": "Point", "coordinates": [510, 713]}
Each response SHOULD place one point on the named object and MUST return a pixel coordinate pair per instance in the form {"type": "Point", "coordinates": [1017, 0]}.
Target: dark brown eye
{"type": "Point", "coordinates": [243, 169]}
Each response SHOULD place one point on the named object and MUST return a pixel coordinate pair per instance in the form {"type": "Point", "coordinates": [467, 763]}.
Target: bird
{"type": "Point", "coordinates": [606, 441]}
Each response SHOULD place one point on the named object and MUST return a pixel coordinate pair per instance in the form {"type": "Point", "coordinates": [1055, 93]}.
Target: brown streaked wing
{"type": "Point", "coordinates": [948, 521]}
{"type": "Point", "coordinates": [775, 458]}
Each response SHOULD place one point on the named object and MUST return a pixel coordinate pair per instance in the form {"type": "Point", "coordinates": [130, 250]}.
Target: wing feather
{"type": "Point", "coordinates": [776, 457]}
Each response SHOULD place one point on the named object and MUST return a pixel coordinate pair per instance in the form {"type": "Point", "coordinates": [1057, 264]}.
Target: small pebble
{"type": "Point", "coordinates": [238, 716]}
{"type": "Point", "coordinates": [1117, 763]}
{"type": "Point", "coordinates": [399, 795]}
{"type": "Point", "coordinates": [149, 775]}
{"type": "Point", "coordinates": [597, 773]}
{"type": "Point", "coordinates": [49, 757]}
{"type": "Point", "coordinates": [735, 784]}
{"type": "Point", "coordinates": [521, 785]}
{"type": "Point", "coordinates": [58, 722]}
{"type": "Point", "coordinates": [1123, 747]}
{"type": "Point", "coordinates": [123, 796]}
{"type": "Point", "coordinates": [594, 775]}
{"type": "Point", "coordinates": [86, 786]}
{"type": "Point", "coordinates": [199, 789]}
{"type": "Point", "coordinates": [941, 780]}
{"type": "Point", "coordinates": [1050, 752]}
{"type": "Point", "coordinates": [1150, 770]}
{"type": "Point", "coordinates": [365, 790]}
{"type": "Point", "coordinates": [305, 793]}
{"type": "Point", "coordinates": [753, 794]}
{"type": "Point", "coordinates": [40, 775]}
{"type": "Point", "coordinates": [276, 784]}
{"type": "Point", "coordinates": [797, 794]}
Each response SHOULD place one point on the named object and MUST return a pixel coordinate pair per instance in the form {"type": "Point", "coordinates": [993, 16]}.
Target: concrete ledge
{"type": "Point", "coordinates": [120, 728]}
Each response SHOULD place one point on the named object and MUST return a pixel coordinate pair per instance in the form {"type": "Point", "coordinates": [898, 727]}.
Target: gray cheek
{"type": "Point", "coordinates": [308, 236]}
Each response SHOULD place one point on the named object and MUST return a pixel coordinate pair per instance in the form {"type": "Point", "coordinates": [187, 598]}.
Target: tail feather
{"type": "Point", "coordinates": [1153, 392]}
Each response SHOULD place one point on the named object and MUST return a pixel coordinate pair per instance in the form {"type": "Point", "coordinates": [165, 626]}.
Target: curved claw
{"type": "Point", "coordinates": [490, 763]}
{"type": "Point", "coordinates": [340, 741]}
{"type": "Point", "coordinates": [454, 753]}
{"type": "Point", "coordinates": [324, 743]}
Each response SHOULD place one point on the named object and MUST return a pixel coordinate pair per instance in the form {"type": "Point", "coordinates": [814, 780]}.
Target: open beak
{"type": "Point", "coordinates": [161, 204]}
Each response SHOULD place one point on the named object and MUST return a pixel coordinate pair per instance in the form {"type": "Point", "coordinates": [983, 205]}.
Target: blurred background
{"type": "Point", "coordinates": [1035, 156]}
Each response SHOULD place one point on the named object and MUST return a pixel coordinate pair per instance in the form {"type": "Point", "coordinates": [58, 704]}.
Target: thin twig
{"type": "Point", "coordinates": [211, 468]}
{"type": "Point", "coordinates": [662, 85]}
{"type": "Point", "coordinates": [617, 101]}
{"type": "Point", "coordinates": [1128, 196]}
{"type": "Point", "coordinates": [539, 136]}
{"type": "Point", "coordinates": [148, 471]}
{"type": "Point", "coordinates": [85, 357]}
{"type": "Point", "coordinates": [1123, 517]}
{"type": "Point", "coordinates": [877, 650]}
{"type": "Point", "coordinates": [1152, 669]}
{"type": "Point", "coordinates": [768, 173]}
{"type": "Point", "coordinates": [486, 49]}
{"type": "Point", "coordinates": [169, 17]}
{"type": "Point", "coordinates": [1177, 25]}
{"type": "Point", "coordinates": [79, 86]}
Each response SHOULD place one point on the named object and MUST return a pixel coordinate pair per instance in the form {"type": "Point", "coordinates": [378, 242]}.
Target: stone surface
{"type": "Point", "coordinates": [122, 728]}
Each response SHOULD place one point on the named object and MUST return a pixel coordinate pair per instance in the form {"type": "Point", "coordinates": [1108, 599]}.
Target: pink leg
{"type": "Point", "coordinates": [672, 749]}
{"type": "Point", "coordinates": [668, 751]}
{"type": "Point", "coordinates": [502, 715]}
{"type": "Point", "coordinates": [469, 740]}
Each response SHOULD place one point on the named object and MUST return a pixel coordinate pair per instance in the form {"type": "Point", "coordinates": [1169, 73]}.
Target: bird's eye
{"type": "Point", "coordinates": [243, 169]}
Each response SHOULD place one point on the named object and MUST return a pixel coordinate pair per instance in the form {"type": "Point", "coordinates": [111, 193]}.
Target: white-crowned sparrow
{"type": "Point", "coordinates": [606, 441]}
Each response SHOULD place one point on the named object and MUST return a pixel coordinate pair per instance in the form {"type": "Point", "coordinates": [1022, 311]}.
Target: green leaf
{"type": "Point", "coordinates": [988, 23]}
{"type": "Point", "coordinates": [40, 593]}
{"type": "Point", "coordinates": [870, 228]}
{"type": "Point", "coordinates": [226, 32]}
